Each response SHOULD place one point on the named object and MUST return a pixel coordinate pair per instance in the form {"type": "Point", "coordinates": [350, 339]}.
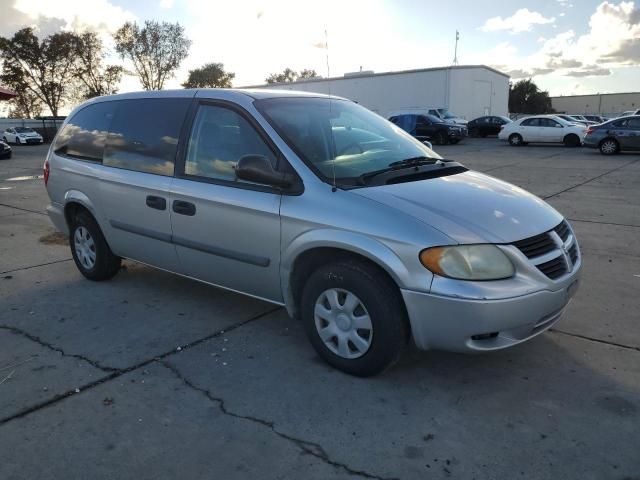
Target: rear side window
{"type": "Point", "coordinates": [144, 134]}
{"type": "Point", "coordinates": [84, 135]}
{"type": "Point", "coordinates": [530, 122]}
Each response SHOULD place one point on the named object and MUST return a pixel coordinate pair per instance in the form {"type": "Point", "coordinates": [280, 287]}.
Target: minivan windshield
{"type": "Point", "coordinates": [339, 138]}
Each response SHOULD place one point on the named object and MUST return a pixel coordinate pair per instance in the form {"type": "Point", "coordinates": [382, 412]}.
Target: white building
{"type": "Point", "coordinates": [468, 91]}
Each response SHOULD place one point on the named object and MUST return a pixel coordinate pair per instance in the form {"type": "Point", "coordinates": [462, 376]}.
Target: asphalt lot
{"type": "Point", "coordinates": [155, 376]}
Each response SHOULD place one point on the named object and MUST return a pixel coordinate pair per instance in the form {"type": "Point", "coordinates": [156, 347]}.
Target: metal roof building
{"type": "Point", "coordinates": [468, 91]}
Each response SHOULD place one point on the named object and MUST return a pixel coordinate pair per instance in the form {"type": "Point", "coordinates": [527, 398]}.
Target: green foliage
{"type": "Point", "coordinates": [94, 78]}
{"type": "Point", "coordinates": [156, 50]}
{"type": "Point", "coordinates": [44, 68]}
{"type": "Point", "coordinates": [288, 76]}
{"type": "Point", "coordinates": [211, 75]}
{"type": "Point", "coordinates": [526, 97]}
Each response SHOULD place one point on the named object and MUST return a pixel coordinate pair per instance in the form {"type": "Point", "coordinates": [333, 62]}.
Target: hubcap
{"type": "Point", "coordinates": [515, 140]}
{"type": "Point", "coordinates": [608, 147]}
{"type": "Point", "coordinates": [343, 323]}
{"type": "Point", "coordinates": [85, 247]}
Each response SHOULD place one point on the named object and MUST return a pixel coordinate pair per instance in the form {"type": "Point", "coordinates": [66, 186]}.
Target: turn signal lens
{"type": "Point", "coordinates": [468, 262]}
{"type": "Point", "coordinates": [46, 172]}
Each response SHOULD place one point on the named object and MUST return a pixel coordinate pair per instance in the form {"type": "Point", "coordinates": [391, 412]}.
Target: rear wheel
{"type": "Point", "coordinates": [90, 251]}
{"type": "Point", "coordinates": [571, 140]}
{"type": "Point", "coordinates": [609, 146]}
{"type": "Point", "coordinates": [354, 317]}
{"type": "Point", "coordinates": [515, 140]}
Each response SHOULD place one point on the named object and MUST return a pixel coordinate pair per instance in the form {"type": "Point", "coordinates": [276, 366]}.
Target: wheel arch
{"type": "Point", "coordinates": [311, 250]}
{"type": "Point", "coordinates": [75, 200]}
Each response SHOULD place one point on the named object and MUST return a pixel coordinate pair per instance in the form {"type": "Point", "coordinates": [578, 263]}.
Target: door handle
{"type": "Point", "coordinates": [184, 208]}
{"type": "Point", "coordinates": [158, 203]}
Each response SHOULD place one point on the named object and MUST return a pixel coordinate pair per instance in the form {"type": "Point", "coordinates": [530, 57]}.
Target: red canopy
{"type": "Point", "coordinates": [6, 94]}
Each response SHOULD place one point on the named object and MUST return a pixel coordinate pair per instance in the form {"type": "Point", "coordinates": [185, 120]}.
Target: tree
{"type": "Point", "coordinates": [93, 77]}
{"type": "Point", "coordinates": [42, 67]}
{"type": "Point", "coordinates": [211, 75]}
{"type": "Point", "coordinates": [156, 50]}
{"type": "Point", "coordinates": [526, 97]}
{"type": "Point", "coordinates": [25, 105]}
{"type": "Point", "coordinates": [288, 76]}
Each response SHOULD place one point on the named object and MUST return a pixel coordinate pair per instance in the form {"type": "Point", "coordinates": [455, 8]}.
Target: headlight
{"type": "Point", "coordinates": [468, 262]}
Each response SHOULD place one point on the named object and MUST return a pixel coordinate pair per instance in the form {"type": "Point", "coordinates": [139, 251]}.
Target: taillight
{"type": "Point", "coordinates": [46, 171]}
{"type": "Point", "coordinates": [590, 130]}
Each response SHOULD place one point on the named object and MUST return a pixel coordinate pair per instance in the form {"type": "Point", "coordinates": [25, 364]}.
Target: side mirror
{"type": "Point", "coordinates": [258, 169]}
{"type": "Point", "coordinates": [428, 144]}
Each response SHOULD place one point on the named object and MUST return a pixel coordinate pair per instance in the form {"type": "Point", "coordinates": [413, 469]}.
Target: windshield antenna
{"type": "Point", "coordinates": [333, 162]}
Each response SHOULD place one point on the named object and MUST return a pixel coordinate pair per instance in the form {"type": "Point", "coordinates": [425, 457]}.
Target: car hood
{"type": "Point", "coordinates": [469, 207]}
{"type": "Point", "coordinates": [29, 134]}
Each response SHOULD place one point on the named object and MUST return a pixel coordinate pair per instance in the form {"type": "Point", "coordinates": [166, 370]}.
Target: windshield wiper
{"type": "Point", "coordinates": [412, 162]}
{"type": "Point", "coordinates": [400, 164]}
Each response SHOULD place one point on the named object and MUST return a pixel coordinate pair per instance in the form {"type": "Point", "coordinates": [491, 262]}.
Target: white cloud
{"type": "Point", "coordinates": [613, 41]}
{"type": "Point", "coordinates": [100, 15]}
{"type": "Point", "coordinates": [166, 3]}
{"type": "Point", "coordinates": [521, 21]}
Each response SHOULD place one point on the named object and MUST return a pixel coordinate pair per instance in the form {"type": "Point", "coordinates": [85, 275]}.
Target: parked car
{"type": "Point", "coordinates": [628, 113]}
{"type": "Point", "coordinates": [544, 129]}
{"type": "Point", "coordinates": [5, 151]}
{"type": "Point", "coordinates": [596, 118]}
{"type": "Point", "coordinates": [583, 120]}
{"type": "Point", "coordinates": [430, 127]}
{"type": "Point", "coordinates": [615, 135]}
{"type": "Point", "coordinates": [368, 246]}
{"type": "Point", "coordinates": [571, 119]}
{"type": "Point", "coordinates": [21, 135]}
{"type": "Point", "coordinates": [446, 115]}
{"type": "Point", "coordinates": [487, 125]}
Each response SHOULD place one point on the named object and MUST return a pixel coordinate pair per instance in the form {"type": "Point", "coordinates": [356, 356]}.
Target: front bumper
{"type": "Point", "coordinates": [475, 325]}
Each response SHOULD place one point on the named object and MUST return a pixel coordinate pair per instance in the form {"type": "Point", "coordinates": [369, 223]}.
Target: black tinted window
{"type": "Point", "coordinates": [84, 135]}
{"type": "Point", "coordinates": [144, 134]}
{"type": "Point", "coordinates": [633, 123]}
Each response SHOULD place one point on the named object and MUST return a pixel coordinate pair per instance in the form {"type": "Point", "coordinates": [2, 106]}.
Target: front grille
{"type": "Point", "coordinates": [573, 253]}
{"type": "Point", "coordinates": [33, 140]}
{"type": "Point", "coordinates": [536, 246]}
{"type": "Point", "coordinates": [553, 268]}
{"type": "Point", "coordinates": [563, 230]}
{"type": "Point", "coordinates": [546, 251]}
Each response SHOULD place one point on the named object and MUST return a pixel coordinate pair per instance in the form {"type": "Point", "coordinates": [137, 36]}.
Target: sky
{"type": "Point", "coordinates": [567, 46]}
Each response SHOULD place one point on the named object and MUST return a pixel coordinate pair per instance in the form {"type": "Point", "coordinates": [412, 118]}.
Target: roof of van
{"type": "Point", "coordinates": [216, 93]}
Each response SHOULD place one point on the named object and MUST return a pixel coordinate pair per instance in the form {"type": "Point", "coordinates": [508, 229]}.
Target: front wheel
{"type": "Point", "coordinates": [354, 317]}
{"type": "Point", "coordinates": [440, 138]}
{"type": "Point", "coordinates": [89, 249]}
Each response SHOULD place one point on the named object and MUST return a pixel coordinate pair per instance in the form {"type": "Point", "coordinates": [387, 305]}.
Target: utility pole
{"type": "Point", "coordinates": [455, 55]}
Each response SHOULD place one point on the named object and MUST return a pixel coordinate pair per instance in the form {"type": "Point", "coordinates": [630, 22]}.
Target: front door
{"type": "Point", "coordinates": [226, 230]}
{"type": "Point", "coordinates": [632, 138]}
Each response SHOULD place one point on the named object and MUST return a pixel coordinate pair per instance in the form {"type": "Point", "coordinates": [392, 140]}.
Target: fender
{"type": "Point", "coordinates": [368, 247]}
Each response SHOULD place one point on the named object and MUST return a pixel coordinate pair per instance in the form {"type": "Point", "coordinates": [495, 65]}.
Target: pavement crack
{"type": "Point", "coordinates": [39, 341]}
{"type": "Point", "coordinates": [36, 266]}
{"type": "Point", "coordinates": [310, 448]}
{"type": "Point", "coordinates": [114, 372]}
{"type": "Point", "coordinates": [23, 209]}
{"type": "Point", "coordinates": [597, 340]}
{"type": "Point", "coordinates": [590, 180]}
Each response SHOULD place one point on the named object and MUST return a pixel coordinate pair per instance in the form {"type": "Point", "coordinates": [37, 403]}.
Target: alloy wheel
{"type": "Point", "coordinates": [608, 147]}
{"type": "Point", "coordinates": [343, 323]}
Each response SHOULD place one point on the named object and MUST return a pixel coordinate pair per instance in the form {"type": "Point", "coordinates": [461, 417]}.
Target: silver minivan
{"type": "Point", "coordinates": [315, 203]}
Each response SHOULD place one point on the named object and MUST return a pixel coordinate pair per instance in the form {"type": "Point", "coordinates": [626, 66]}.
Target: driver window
{"type": "Point", "coordinates": [219, 138]}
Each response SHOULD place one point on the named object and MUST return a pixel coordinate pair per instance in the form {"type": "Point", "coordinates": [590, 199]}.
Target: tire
{"type": "Point", "coordinates": [571, 140]}
{"type": "Point", "coordinates": [90, 251]}
{"type": "Point", "coordinates": [380, 340]}
{"type": "Point", "coordinates": [440, 139]}
{"type": "Point", "coordinates": [609, 146]}
{"type": "Point", "coordinates": [515, 140]}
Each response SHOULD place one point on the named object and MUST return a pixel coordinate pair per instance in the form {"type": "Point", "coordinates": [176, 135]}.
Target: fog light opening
{"type": "Point", "coordinates": [485, 336]}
